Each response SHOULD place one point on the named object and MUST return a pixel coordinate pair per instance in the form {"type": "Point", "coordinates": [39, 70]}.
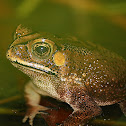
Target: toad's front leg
{"type": "Point", "coordinates": [84, 108]}
{"type": "Point", "coordinates": [33, 100]}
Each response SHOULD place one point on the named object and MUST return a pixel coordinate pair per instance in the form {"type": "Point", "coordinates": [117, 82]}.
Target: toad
{"type": "Point", "coordinates": [82, 74]}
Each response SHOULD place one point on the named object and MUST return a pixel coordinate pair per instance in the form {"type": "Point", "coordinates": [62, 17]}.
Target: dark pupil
{"type": "Point", "coordinates": [41, 49]}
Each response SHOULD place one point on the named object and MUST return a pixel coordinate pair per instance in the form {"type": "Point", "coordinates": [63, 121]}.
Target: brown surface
{"type": "Point", "coordinates": [58, 113]}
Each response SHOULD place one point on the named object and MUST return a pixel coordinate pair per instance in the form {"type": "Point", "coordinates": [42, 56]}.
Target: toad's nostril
{"type": "Point", "coordinates": [7, 54]}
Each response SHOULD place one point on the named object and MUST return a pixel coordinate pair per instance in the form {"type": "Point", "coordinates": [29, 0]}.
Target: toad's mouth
{"type": "Point", "coordinates": [33, 67]}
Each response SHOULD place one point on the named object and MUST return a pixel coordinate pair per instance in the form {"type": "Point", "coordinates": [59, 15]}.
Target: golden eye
{"type": "Point", "coordinates": [41, 50]}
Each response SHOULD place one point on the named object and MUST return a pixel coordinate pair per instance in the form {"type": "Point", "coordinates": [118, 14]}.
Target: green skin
{"type": "Point", "coordinates": [90, 77]}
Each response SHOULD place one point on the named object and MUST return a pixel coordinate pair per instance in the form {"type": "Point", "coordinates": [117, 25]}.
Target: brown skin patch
{"type": "Point", "coordinates": [84, 107]}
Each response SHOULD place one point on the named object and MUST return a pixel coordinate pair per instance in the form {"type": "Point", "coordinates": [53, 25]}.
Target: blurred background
{"type": "Point", "coordinates": [100, 21]}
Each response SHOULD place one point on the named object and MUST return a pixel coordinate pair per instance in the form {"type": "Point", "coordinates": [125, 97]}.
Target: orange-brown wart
{"type": "Point", "coordinates": [82, 74]}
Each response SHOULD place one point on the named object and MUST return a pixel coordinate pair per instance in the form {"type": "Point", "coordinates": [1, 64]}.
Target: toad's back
{"type": "Point", "coordinates": [101, 71]}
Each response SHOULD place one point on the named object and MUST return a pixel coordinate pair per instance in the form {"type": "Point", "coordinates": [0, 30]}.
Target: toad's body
{"type": "Point", "coordinates": [83, 75]}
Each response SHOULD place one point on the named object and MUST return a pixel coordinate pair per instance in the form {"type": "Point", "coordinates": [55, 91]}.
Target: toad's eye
{"type": "Point", "coordinates": [41, 50]}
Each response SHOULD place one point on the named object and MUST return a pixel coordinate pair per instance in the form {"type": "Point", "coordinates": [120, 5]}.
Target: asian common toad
{"type": "Point", "coordinates": [82, 74]}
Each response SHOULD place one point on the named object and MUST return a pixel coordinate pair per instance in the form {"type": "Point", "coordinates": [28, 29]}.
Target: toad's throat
{"type": "Point", "coordinates": [34, 67]}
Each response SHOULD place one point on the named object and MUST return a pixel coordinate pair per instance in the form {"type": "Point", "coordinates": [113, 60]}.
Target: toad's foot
{"type": "Point", "coordinates": [32, 112]}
